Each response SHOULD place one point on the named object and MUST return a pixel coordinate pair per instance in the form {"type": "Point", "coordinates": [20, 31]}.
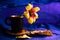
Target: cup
{"type": "Point", "coordinates": [16, 23]}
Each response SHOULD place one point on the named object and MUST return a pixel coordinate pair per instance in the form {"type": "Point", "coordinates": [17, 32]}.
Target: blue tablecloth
{"type": "Point", "coordinates": [46, 14]}
{"type": "Point", "coordinates": [55, 36]}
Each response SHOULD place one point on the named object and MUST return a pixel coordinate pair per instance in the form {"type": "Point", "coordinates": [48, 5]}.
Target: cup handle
{"type": "Point", "coordinates": [6, 19]}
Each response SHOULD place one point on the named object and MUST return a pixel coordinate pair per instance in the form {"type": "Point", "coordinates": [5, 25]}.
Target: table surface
{"type": "Point", "coordinates": [55, 31]}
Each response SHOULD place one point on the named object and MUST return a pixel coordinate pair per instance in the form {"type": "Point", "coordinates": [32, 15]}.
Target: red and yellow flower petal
{"type": "Point", "coordinates": [29, 7]}
{"type": "Point", "coordinates": [26, 14]}
{"type": "Point", "coordinates": [36, 15]}
{"type": "Point", "coordinates": [34, 19]}
{"type": "Point", "coordinates": [30, 20]}
{"type": "Point", "coordinates": [36, 9]}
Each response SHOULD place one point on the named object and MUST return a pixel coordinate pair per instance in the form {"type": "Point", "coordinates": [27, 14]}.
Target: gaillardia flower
{"type": "Point", "coordinates": [31, 13]}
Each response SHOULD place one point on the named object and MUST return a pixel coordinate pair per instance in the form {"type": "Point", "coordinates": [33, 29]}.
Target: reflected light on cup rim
{"type": "Point", "coordinates": [13, 16]}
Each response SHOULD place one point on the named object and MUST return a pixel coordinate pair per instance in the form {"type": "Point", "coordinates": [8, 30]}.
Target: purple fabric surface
{"type": "Point", "coordinates": [49, 13]}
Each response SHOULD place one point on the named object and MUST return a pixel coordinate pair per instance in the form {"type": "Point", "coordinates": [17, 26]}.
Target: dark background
{"type": "Point", "coordinates": [49, 13]}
